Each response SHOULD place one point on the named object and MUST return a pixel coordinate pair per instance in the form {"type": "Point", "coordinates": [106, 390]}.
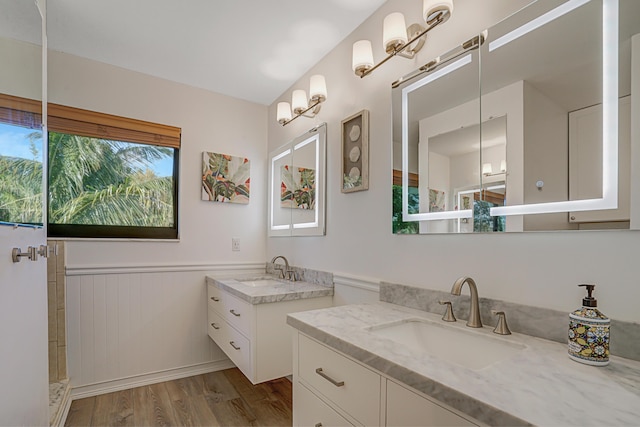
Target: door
{"type": "Point", "coordinates": [24, 391]}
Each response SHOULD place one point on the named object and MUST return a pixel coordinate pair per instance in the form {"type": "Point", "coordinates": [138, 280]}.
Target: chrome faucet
{"type": "Point", "coordinates": [286, 271]}
{"type": "Point", "coordinates": [474, 309]}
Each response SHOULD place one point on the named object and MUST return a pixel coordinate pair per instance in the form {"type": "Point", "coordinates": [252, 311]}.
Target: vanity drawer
{"type": "Point", "coordinates": [349, 385]}
{"type": "Point", "coordinates": [309, 410]}
{"type": "Point", "coordinates": [217, 327]}
{"type": "Point", "coordinates": [238, 348]}
{"type": "Point", "coordinates": [237, 312]}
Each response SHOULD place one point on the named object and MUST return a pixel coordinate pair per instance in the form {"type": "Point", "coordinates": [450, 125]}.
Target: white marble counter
{"type": "Point", "coordinates": [282, 290]}
{"type": "Point", "coordinates": [538, 386]}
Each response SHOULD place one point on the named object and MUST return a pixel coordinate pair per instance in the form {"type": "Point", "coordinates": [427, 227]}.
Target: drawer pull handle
{"type": "Point", "coordinates": [215, 326]}
{"type": "Point", "coordinates": [319, 425]}
{"type": "Point", "coordinates": [320, 372]}
{"type": "Point", "coordinates": [234, 345]}
{"type": "Point", "coordinates": [232, 311]}
{"type": "Point", "coordinates": [215, 299]}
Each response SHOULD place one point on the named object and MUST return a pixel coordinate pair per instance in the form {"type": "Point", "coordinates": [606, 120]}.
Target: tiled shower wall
{"type": "Point", "coordinates": [56, 288]}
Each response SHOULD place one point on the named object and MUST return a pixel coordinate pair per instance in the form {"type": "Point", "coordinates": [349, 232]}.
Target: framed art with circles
{"type": "Point", "coordinates": [355, 152]}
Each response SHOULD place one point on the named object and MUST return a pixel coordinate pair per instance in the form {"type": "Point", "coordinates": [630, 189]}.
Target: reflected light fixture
{"type": "Point", "coordinates": [300, 104]}
{"type": "Point", "coordinates": [487, 169]}
{"type": "Point", "coordinates": [398, 39]}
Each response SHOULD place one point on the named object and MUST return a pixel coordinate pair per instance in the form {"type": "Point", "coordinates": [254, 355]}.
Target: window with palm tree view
{"type": "Point", "coordinates": [96, 186]}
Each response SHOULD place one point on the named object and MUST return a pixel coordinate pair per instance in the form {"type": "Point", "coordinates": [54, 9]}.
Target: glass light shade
{"type": "Point", "coordinates": [283, 112]}
{"type": "Point", "coordinates": [299, 100]}
{"type": "Point", "coordinates": [486, 168]}
{"type": "Point", "coordinates": [318, 87]}
{"type": "Point", "coordinates": [431, 9]}
{"type": "Point", "coordinates": [394, 30]}
{"type": "Point", "coordinates": [503, 166]}
{"type": "Point", "coordinates": [362, 55]}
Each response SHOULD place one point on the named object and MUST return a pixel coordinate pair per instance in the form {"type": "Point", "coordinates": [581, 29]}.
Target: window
{"type": "Point", "coordinates": [20, 161]}
{"type": "Point", "coordinates": [110, 177]}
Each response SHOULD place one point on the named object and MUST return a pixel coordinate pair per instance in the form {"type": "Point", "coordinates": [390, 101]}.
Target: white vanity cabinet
{"type": "Point", "coordinates": [329, 388]}
{"type": "Point", "coordinates": [255, 336]}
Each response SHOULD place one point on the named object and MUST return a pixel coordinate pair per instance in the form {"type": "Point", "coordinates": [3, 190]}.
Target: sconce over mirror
{"type": "Point", "coordinates": [528, 132]}
{"type": "Point", "coordinates": [297, 188]}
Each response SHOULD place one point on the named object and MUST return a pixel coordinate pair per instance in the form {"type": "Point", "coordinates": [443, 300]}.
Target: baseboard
{"type": "Point", "coordinates": [63, 408]}
{"type": "Point", "coordinates": [147, 379]}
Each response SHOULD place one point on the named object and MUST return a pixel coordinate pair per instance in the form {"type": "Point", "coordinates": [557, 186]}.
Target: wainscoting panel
{"type": "Point", "coordinates": [123, 325]}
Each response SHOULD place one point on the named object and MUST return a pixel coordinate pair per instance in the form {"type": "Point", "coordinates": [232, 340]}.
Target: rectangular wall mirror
{"type": "Point", "coordinates": [297, 186]}
{"type": "Point", "coordinates": [525, 127]}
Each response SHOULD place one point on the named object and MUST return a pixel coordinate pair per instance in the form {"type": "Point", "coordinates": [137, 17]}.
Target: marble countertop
{"type": "Point", "coordinates": [539, 385]}
{"type": "Point", "coordinates": [282, 290]}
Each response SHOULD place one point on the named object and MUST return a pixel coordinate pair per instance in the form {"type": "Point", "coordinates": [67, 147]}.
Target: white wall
{"type": "Point", "coordinates": [209, 122]}
{"type": "Point", "coordinates": [539, 269]}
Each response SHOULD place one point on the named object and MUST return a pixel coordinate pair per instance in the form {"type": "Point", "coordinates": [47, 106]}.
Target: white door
{"type": "Point", "coordinates": [24, 390]}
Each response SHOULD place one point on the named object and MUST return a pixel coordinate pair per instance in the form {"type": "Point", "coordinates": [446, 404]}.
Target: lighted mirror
{"type": "Point", "coordinates": [547, 139]}
{"type": "Point", "coordinates": [297, 186]}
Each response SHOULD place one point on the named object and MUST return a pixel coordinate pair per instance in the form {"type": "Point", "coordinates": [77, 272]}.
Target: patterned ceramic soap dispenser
{"type": "Point", "coordinates": [589, 332]}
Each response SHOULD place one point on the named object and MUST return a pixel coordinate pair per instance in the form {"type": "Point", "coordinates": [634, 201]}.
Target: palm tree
{"type": "Point", "coordinates": [103, 182]}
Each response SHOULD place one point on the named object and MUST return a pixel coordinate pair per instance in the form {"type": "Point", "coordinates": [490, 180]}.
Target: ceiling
{"type": "Point", "coordinates": [249, 49]}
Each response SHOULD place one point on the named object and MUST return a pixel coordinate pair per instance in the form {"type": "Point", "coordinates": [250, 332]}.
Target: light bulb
{"type": "Point", "coordinates": [394, 32]}
{"type": "Point", "coordinates": [318, 88]}
{"type": "Point", "coordinates": [283, 112]}
{"type": "Point", "coordinates": [299, 101]}
{"type": "Point", "coordinates": [362, 56]}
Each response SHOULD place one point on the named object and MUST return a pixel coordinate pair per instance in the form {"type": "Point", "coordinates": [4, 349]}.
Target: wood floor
{"type": "Point", "coordinates": [223, 398]}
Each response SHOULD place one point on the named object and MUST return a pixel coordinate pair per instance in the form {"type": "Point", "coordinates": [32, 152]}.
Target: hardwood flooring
{"type": "Point", "coordinates": [223, 398]}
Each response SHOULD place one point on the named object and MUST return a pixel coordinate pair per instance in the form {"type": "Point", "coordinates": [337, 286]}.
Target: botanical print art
{"type": "Point", "coordinates": [298, 187]}
{"type": "Point", "coordinates": [436, 200]}
{"type": "Point", "coordinates": [225, 178]}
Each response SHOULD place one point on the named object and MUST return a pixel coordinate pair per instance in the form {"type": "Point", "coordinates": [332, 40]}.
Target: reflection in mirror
{"type": "Point", "coordinates": [297, 186]}
{"type": "Point", "coordinates": [21, 148]}
{"type": "Point", "coordinates": [547, 75]}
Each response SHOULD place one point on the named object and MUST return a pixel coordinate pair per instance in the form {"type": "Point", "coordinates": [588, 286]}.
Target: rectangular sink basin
{"type": "Point", "coordinates": [468, 348]}
{"type": "Point", "coordinates": [261, 282]}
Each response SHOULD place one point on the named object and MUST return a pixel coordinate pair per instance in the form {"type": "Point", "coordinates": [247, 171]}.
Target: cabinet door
{"type": "Point", "coordinates": [406, 408]}
{"type": "Point", "coordinates": [309, 410]}
{"type": "Point", "coordinates": [585, 161]}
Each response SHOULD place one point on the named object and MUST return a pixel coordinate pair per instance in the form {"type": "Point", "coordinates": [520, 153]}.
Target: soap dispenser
{"type": "Point", "coordinates": [589, 332]}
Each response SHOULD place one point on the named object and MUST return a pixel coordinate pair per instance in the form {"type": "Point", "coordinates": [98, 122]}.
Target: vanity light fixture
{"type": "Point", "coordinates": [301, 106]}
{"type": "Point", "coordinates": [399, 40]}
{"type": "Point", "coordinates": [487, 169]}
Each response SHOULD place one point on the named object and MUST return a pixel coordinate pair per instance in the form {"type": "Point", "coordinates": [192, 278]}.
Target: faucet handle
{"type": "Point", "coordinates": [501, 328]}
{"type": "Point", "coordinates": [448, 315]}
{"type": "Point", "coordinates": [291, 272]}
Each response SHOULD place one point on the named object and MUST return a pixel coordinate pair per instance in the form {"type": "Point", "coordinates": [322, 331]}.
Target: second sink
{"type": "Point", "coordinates": [470, 349]}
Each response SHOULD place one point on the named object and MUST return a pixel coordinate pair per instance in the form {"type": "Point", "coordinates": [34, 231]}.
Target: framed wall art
{"type": "Point", "coordinates": [225, 178]}
{"type": "Point", "coordinates": [355, 152]}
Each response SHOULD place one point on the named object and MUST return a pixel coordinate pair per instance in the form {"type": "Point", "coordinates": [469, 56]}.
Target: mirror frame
{"type": "Point", "coordinates": [317, 135]}
{"type": "Point", "coordinates": [609, 200]}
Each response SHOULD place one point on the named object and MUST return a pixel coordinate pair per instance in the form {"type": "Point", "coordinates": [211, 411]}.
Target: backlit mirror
{"type": "Point", "coordinates": [537, 148]}
{"type": "Point", "coordinates": [297, 186]}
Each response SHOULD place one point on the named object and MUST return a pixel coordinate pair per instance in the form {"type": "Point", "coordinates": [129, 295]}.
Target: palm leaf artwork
{"type": "Point", "coordinates": [94, 181]}
{"type": "Point", "coordinates": [298, 187]}
{"type": "Point", "coordinates": [225, 178]}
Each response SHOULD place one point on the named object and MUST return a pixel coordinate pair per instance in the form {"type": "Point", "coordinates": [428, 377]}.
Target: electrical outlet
{"type": "Point", "coordinates": [235, 243]}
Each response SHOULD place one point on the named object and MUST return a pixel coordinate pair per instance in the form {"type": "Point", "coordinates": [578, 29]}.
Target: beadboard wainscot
{"type": "Point", "coordinates": [133, 325]}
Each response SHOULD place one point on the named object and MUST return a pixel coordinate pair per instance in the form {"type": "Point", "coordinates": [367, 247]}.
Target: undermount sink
{"type": "Point", "coordinates": [255, 283]}
{"type": "Point", "coordinates": [468, 348]}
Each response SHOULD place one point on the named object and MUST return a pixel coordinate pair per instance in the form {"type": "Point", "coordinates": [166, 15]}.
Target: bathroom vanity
{"type": "Point", "coordinates": [385, 364]}
{"type": "Point", "coordinates": [247, 320]}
